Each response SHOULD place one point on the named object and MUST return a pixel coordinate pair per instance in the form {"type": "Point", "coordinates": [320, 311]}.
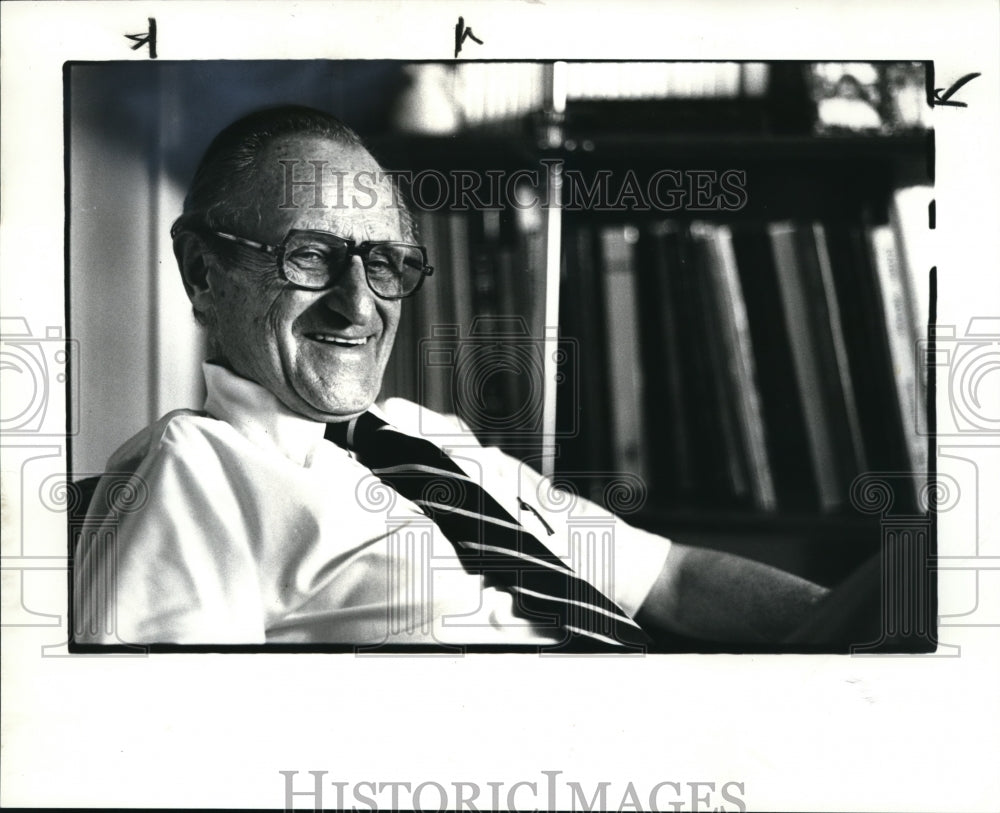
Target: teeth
{"type": "Point", "coordinates": [325, 337]}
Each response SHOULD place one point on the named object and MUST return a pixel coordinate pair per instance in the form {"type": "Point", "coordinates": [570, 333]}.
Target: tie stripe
{"type": "Point", "coordinates": [451, 509]}
{"type": "Point", "coordinates": [486, 537]}
{"type": "Point", "coordinates": [506, 552]}
{"type": "Point", "coordinates": [619, 616]}
{"type": "Point", "coordinates": [595, 635]}
{"type": "Point", "coordinates": [417, 467]}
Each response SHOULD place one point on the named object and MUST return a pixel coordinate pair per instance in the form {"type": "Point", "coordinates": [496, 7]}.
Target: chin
{"type": "Point", "coordinates": [352, 404]}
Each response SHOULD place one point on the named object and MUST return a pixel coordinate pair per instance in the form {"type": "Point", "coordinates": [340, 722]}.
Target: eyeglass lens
{"type": "Point", "coordinates": [314, 261]}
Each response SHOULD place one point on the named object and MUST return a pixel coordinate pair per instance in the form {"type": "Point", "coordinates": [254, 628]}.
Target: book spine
{"type": "Point", "coordinates": [908, 215]}
{"type": "Point", "coordinates": [902, 337]}
{"type": "Point", "coordinates": [669, 428]}
{"type": "Point", "coordinates": [461, 271]}
{"type": "Point", "coordinates": [909, 220]}
{"type": "Point", "coordinates": [806, 362]}
{"type": "Point", "coordinates": [782, 412]}
{"type": "Point", "coordinates": [433, 311]}
{"type": "Point", "coordinates": [731, 472]}
{"type": "Point", "coordinates": [742, 369]}
{"type": "Point", "coordinates": [626, 375]}
{"type": "Point", "coordinates": [833, 320]}
{"type": "Point", "coordinates": [584, 400]}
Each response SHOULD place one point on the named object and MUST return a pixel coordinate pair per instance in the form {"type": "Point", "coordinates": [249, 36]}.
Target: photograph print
{"type": "Point", "coordinates": [560, 357]}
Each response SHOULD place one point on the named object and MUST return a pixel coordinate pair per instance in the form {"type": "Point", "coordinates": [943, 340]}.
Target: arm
{"type": "Point", "coordinates": [717, 596]}
{"type": "Point", "coordinates": [698, 593]}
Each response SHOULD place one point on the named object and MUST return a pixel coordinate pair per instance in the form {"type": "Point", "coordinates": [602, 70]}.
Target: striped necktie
{"type": "Point", "coordinates": [486, 537]}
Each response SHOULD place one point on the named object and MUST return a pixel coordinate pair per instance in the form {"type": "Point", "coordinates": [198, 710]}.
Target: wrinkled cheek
{"type": "Point", "coordinates": [247, 332]}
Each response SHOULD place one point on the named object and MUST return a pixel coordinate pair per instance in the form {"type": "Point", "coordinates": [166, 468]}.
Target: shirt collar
{"type": "Point", "coordinates": [258, 415]}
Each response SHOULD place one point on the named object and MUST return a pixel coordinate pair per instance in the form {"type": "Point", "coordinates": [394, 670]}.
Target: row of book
{"type": "Point", "coordinates": [754, 365]}
{"type": "Point", "coordinates": [744, 364]}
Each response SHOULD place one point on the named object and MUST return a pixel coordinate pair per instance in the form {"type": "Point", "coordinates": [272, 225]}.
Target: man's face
{"type": "Point", "coordinates": [322, 353]}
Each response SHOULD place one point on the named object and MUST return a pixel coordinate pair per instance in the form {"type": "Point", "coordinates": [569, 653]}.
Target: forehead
{"type": "Point", "coordinates": [311, 182]}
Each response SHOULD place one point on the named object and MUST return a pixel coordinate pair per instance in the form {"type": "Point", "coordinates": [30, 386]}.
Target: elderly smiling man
{"type": "Point", "coordinates": [259, 525]}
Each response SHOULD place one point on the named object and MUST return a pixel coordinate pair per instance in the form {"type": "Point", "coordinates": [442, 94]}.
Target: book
{"type": "Point", "coordinates": [902, 335]}
{"type": "Point", "coordinates": [670, 430]}
{"type": "Point", "coordinates": [460, 270]}
{"type": "Point", "coordinates": [726, 473]}
{"type": "Point", "coordinates": [433, 311]}
{"type": "Point", "coordinates": [829, 324]}
{"type": "Point", "coordinates": [908, 215]}
{"type": "Point", "coordinates": [866, 340]}
{"type": "Point", "coordinates": [799, 289]}
{"type": "Point", "coordinates": [529, 250]}
{"type": "Point", "coordinates": [784, 419]}
{"type": "Point", "coordinates": [582, 394]}
{"type": "Point", "coordinates": [738, 360]}
{"type": "Point", "coordinates": [625, 373]}
{"type": "Point", "coordinates": [497, 329]}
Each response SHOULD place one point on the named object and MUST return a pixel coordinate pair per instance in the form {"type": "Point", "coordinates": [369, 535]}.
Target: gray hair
{"type": "Point", "coordinates": [227, 176]}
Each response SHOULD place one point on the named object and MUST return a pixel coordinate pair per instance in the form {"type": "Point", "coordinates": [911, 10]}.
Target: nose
{"type": "Point", "coordinates": [350, 296]}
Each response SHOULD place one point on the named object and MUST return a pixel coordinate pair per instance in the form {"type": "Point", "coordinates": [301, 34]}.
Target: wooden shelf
{"type": "Point", "coordinates": [761, 146]}
{"type": "Point", "coordinates": [482, 150]}
{"type": "Point", "coordinates": [846, 524]}
{"type": "Point", "coordinates": [462, 150]}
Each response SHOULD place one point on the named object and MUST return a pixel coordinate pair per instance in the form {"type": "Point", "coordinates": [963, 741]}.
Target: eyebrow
{"type": "Point", "coordinates": [368, 231]}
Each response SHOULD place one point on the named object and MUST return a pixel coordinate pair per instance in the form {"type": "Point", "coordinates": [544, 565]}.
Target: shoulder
{"type": "Point", "coordinates": [185, 463]}
{"type": "Point", "coordinates": [436, 427]}
{"type": "Point", "coordinates": [134, 473]}
{"type": "Point", "coordinates": [181, 429]}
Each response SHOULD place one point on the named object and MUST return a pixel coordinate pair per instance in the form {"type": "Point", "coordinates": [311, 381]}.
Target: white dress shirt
{"type": "Point", "coordinates": [248, 527]}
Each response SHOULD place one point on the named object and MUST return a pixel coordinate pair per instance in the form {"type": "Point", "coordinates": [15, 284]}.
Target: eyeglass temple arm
{"type": "Point", "coordinates": [179, 226]}
{"type": "Point", "coordinates": [268, 249]}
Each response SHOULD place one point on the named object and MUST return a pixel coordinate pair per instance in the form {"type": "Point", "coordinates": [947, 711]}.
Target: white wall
{"type": "Point", "coordinates": [139, 346]}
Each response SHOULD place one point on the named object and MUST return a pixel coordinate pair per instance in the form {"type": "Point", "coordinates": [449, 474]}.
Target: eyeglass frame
{"type": "Point", "coordinates": [354, 249]}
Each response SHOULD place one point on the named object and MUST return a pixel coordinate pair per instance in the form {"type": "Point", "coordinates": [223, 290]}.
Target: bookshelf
{"type": "Point", "coordinates": [742, 359]}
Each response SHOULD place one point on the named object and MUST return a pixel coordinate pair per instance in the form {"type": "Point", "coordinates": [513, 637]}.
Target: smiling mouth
{"type": "Point", "coordinates": [338, 341]}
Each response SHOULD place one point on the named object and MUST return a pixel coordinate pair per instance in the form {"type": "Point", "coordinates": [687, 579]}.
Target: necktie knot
{"type": "Point", "coordinates": [355, 434]}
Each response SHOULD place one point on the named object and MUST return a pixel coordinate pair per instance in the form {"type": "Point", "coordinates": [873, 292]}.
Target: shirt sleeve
{"type": "Point", "coordinates": [164, 566]}
{"type": "Point", "coordinates": [620, 560]}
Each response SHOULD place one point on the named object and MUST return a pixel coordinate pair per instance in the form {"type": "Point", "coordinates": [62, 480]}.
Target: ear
{"type": "Point", "coordinates": [195, 261]}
